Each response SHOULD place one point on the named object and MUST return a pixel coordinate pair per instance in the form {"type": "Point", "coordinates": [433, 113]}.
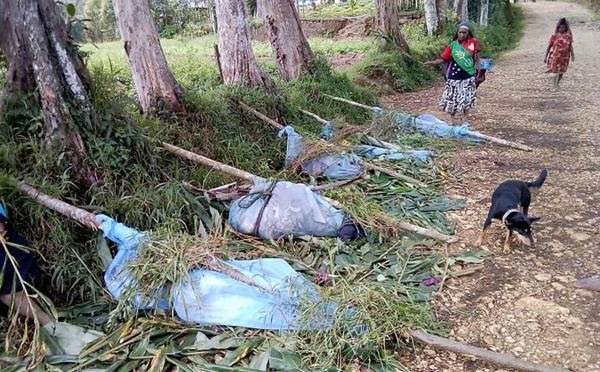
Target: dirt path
{"type": "Point", "coordinates": [525, 303]}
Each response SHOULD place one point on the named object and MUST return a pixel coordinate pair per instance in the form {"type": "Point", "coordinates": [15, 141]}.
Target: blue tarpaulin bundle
{"type": "Point", "coordinates": [209, 297]}
{"type": "Point", "coordinates": [332, 166]}
{"type": "Point", "coordinates": [429, 125]}
{"type": "Point", "coordinates": [386, 154]}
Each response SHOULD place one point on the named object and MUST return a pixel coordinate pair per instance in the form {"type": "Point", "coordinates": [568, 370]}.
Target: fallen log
{"type": "Point", "coordinates": [88, 219]}
{"type": "Point", "coordinates": [471, 133]}
{"type": "Point", "coordinates": [366, 164]}
{"type": "Point", "coordinates": [480, 353]}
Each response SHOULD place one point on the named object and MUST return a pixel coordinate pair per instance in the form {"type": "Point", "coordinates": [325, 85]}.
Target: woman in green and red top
{"type": "Point", "coordinates": [463, 57]}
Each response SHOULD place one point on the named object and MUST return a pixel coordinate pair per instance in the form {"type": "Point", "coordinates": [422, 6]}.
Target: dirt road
{"type": "Point", "coordinates": [525, 303]}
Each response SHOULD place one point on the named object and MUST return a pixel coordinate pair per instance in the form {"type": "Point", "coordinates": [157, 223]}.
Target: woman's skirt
{"type": "Point", "coordinates": [458, 95]}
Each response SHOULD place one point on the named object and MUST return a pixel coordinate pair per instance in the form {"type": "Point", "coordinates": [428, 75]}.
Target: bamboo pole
{"type": "Point", "coordinates": [499, 141]}
{"type": "Point", "coordinates": [209, 162]}
{"type": "Point", "coordinates": [89, 219]}
{"type": "Point", "coordinates": [480, 353]}
{"type": "Point", "coordinates": [350, 102]}
{"type": "Point", "coordinates": [387, 145]}
{"type": "Point", "coordinates": [470, 133]}
{"type": "Point", "coordinates": [392, 173]}
{"type": "Point", "coordinates": [86, 218]}
{"type": "Point", "coordinates": [366, 164]}
{"type": "Point", "coordinates": [261, 116]}
{"type": "Point", "coordinates": [430, 233]}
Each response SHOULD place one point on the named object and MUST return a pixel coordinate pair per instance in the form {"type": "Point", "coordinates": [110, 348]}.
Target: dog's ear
{"type": "Point", "coordinates": [533, 219]}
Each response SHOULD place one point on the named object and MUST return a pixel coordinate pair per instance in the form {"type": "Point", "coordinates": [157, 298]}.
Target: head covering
{"type": "Point", "coordinates": [3, 214]}
{"type": "Point", "coordinates": [466, 25]}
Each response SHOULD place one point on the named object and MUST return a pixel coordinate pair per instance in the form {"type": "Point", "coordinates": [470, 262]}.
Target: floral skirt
{"type": "Point", "coordinates": [458, 95]}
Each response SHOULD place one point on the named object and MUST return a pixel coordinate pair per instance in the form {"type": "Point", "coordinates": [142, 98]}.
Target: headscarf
{"type": "Point", "coordinates": [465, 25]}
{"type": "Point", "coordinates": [563, 21]}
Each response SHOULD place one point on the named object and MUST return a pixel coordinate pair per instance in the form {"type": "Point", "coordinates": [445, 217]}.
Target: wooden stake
{"type": "Point", "coordinates": [470, 133]}
{"type": "Point", "coordinates": [89, 219]}
{"type": "Point", "coordinates": [218, 56]}
{"type": "Point", "coordinates": [209, 162]}
{"type": "Point", "coordinates": [353, 103]}
{"type": "Point", "coordinates": [480, 353]}
{"type": "Point", "coordinates": [499, 141]}
{"type": "Point", "coordinates": [261, 116]}
{"type": "Point", "coordinates": [387, 145]}
{"type": "Point", "coordinates": [367, 165]}
{"type": "Point", "coordinates": [86, 218]}
{"type": "Point", "coordinates": [392, 173]}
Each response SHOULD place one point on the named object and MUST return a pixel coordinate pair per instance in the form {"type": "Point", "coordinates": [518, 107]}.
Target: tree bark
{"type": "Point", "coordinates": [212, 14]}
{"type": "Point", "coordinates": [238, 64]}
{"type": "Point", "coordinates": [461, 9]}
{"type": "Point", "coordinates": [431, 17]}
{"type": "Point", "coordinates": [290, 47]}
{"type": "Point", "coordinates": [388, 25]}
{"type": "Point", "coordinates": [153, 80]}
{"type": "Point", "coordinates": [442, 8]}
{"type": "Point", "coordinates": [483, 16]}
{"type": "Point", "coordinates": [33, 38]}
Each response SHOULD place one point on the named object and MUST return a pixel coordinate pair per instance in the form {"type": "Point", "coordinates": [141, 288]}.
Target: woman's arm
{"type": "Point", "coordinates": [572, 53]}
{"type": "Point", "coordinates": [547, 52]}
{"type": "Point", "coordinates": [477, 63]}
{"type": "Point", "coordinates": [435, 62]}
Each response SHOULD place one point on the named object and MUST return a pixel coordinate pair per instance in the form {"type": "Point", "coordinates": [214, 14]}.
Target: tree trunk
{"type": "Point", "coordinates": [33, 38]}
{"type": "Point", "coordinates": [290, 47]}
{"type": "Point", "coordinates": [388, 24]}
{"type": "Point", "coordinates": [442, 8]}
{"type": "Point", "coordinates": [212, 14]}
{"type": "Point", "coordinates": [431, 17]}
{"type": "Point", "coordinates": [238, 64]}
{"type": "Point", "coordinates": [483, 16]}
{"type": "Point", "coordinates": [153, 80]}
{"type": "Point", "coordinates": [464, 16]}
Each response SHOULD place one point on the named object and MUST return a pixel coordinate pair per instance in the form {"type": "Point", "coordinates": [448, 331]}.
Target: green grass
{"type": "Point", "coordinates": [347, 9]}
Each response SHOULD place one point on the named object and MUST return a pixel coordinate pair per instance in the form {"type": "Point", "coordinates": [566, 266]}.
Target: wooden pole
{"type": "Point", "coordinates": [209, 162]}
{"type": "Point", "coordinates": [367, 165]}
{"type": "Point", "coordinates": [480, 353]}
{"type": "Point", "coordinates": [86, 218]}
{"type": "Point", "coordinates": [499, 141]}
{"type": "Point", "coordinates": [261, 116]}
{"type": "Point", "coordinates": [353, 103]}
{"type": "Point", "coordinates": [470, 133]}
{"type": "Point", "coordinates": [392, 173]}
{"type": "Point", "coordinates": [218, 57]}
{"type": "Point", "coordinates": [387, 145]}
{"type": "Point", "coordinates": [89, 219]}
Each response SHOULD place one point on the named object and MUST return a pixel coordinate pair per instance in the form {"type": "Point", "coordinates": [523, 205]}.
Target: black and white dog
{"type": "Point", "coordinates": [506, 200]}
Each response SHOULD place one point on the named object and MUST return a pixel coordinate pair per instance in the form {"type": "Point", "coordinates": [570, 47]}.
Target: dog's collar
{"type": "Point", "coordinates": [508, 212]}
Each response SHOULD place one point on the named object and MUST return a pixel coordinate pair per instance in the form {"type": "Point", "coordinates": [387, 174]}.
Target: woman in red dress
{"type": "Point", "coordinates": [559, 52]}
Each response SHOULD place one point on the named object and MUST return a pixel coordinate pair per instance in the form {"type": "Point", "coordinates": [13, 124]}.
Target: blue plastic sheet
{"type": "Point", "coordinates": [3, 212]}
{"type": "Point", "coordinates": [331, 165]}
{"type": "Point", "coordinates": [379, 152]}
{"type": "Point", "coordinates": [209, 297]}
{"type": "Point", "coordinates": [429, 125]}
{"type": "Point", "coordinates": [292, 209]}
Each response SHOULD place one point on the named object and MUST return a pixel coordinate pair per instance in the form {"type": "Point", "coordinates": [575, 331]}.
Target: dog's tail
{"type": "Point", "coordinates": [540, 180]}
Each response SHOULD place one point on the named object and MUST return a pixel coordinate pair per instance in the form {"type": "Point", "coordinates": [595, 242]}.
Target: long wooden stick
{"type": "Point", "coordinates": [470, 133]}
{"type": "Point", "coordinates": [367, 165]}
{"type": "Point", "coordinates": [261, 116]}
{"type": "Point", "coordinates": [499, 141]}
{"type": "Point", "coordinates": [209, 162]}
{"type": "Point", "coordinates": [483, 354]}
{"type": "Point", "coordinates": [392, 173]}
{"type": "Point", "coordinates": [84, 217]}
{"type": "Point", "coordinates": [89, 219]}
{"type": "Point", "coordinates": [350, 102]}
{"type": "Point", "coordinates": [387, 145]}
